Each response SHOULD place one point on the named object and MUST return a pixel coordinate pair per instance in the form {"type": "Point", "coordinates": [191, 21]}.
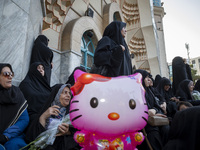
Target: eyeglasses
{"type": "Point", "coordinates": [8, 74]}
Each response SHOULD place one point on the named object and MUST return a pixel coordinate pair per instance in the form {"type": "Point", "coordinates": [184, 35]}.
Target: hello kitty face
{"type": "Point", "coordinates": [109, 106]}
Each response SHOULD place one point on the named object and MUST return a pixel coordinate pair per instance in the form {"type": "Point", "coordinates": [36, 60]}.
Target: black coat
{"type": "Point", "coordinates": [185, 132]}
{"type": "Point", "coordinates": [179, 72]}
{"type": "Point", "coordinates": [36, 90]}
{"type": "Point", "coordinates": [110, 53]}
{"type": "Point", "coordinates": [42, 53]}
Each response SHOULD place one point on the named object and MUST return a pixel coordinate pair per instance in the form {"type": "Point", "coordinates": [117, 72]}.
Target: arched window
{"type": "Point", "coordinates": [87, 50]}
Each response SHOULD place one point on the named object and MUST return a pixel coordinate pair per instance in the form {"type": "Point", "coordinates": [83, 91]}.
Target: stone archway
{"type": "Point", "coordinates": [73, 32]}
{"type": "Point", "coordinates": [71, 44]}
{"type": "Point", "coordinates": [108, 13]}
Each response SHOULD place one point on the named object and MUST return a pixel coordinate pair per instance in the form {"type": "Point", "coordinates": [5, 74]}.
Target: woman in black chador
{"type": "Point", "coordinates": [157, 135]}
{"type": "Point", "coordinates": [35, 88]}
{"type": "Point", "coordinates": [179, 72]}
{"type": "Point", "coordinates": [185, 132]}
{"type": "Point", "coordinates": [164, 88]}
{"type": "Point", "coordinates": [184, 92]}
{"type": "Point", "coordinates": [42, 53]}
{"type": "Point", "coordinates": [113, 51]}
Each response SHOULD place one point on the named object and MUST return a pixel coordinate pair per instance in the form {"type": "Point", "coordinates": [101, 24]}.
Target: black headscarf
{"type": "Point", "coordinates": [179, 72]}
{"type": "Point", "coordinates": [152, 103]}
{"type": "Point", "coordinates": [185, 132]}
{"type": "Point", "coordinates": [197, 85]}
{"type": "Point", "coordinates": [12, 104]}
{"type": "Point", "coordinates": [36, 89]}
{"type": "Point", "coordinates": [109, 51]}
{"type": "Point", "coordinates": [157, 80]}
{"type": "Point", "coordinates": [160, 88]}
{"type": "Point", "coordinates": [42, 53]}
{"type": "Point", "coordinates": [167, 95]}
{"type": "Point", "coordinates": [183, 91]}
{"type": "Point", "coordinates": [113, 31]}
{"type": "Point", "coordinates": [65, 142]}
{"type": "Point", "coordinates": [144, 74]}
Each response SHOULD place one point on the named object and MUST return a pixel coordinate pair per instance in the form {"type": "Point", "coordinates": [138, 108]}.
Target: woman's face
{"type": "Point", "coordinates": [147, 81]}
{"type": "Point", "coordinates": [40, 68]}
{"type": "Point", "coordinates": [6, 77]}
{"type": "Point", "coordinates": [191, 86]}
{"type": "Point", "coordinates": [151, 82]}
{"type": "Point", "coordinates": [166, 87]}
{"type": "Point", "coordinates": [123, 32]}
{"type": "Point", "coordinates": [65, 97]}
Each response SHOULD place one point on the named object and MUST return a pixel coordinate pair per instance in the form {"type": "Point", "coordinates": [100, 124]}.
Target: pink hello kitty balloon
{"type": "Point", "coordinates": [108, 111]}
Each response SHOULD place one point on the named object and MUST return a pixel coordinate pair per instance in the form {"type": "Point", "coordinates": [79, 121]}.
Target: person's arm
{"type": "Point", "coordinates": [17, 129]}
{"type": "Point", "coordinates": [53, 110]}
{"type": "Point", "coordinates": [108, 54]}
{"type": "Point", "coordinates": [164, 107]}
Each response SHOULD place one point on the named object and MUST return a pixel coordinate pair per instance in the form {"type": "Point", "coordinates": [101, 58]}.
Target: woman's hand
{"type": "Point", "coordinates": [123, 48]}
{"type": "Point", "coordinates": [53, 110]}
{"type": "Point", "coordinates": [174, 99]}
{"type": "Point", "coordinates": [63, 130]}
{"type": "Point", "coordinates": [152, 112]}
{"type": "Point", "coordinates": [163, 106]}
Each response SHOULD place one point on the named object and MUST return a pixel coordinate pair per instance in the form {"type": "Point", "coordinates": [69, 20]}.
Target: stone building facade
{"type": "Point", "coordinates": [74, 27]}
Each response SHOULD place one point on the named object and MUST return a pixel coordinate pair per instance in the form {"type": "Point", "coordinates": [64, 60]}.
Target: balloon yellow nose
{"type": "Point", "coordinates": [113, 116]}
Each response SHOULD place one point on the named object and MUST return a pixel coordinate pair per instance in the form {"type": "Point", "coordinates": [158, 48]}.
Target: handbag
{"type": "Point", "coordinates": [101, 70]}
{"type": "Point", "coordinates": [158, 121]}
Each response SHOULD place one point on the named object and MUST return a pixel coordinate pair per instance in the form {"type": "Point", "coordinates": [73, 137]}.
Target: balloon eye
{"type": "Point", "coordinates": [94, 102]}
{"type": "Point", "coordinates": [132, 104]}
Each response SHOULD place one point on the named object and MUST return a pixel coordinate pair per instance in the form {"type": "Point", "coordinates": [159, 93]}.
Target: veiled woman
{"type": "Point", "coordinates": [157, 136]}
{"type": "Point", "coordinates": [185, 132]}
{"type": "Point", "coordinates": [42, 53]}
{"type": "Point", "coordinates": [55, 108]}
{"type": "Point", "coordinates": [185, 90]}
{"type": "Point", "coordinates": [112, 50]}
{"type": "Point", "coordinates": [13, 113]}
{"type": "Point", "coordinates": [164, 88]}
{"type": "Point", "coordinates": [35, 88]}
{"type": "Point", "coordinates": [179, 72]}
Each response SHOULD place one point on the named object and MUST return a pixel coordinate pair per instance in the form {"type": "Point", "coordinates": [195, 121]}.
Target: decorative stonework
{"type": "Point", "coordinates": [130, 13]}
{"type": "Point", "coordinates": [56, 10]}
{"type": "Point", "coordinates": [137, 47]}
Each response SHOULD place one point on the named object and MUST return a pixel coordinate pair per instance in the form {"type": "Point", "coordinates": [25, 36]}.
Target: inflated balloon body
{"type": "Point", "coordinates": [108, 111]}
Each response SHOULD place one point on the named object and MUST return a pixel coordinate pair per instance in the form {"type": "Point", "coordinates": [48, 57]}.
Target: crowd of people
{"type": "Point", "coordinates": [34, 107]}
